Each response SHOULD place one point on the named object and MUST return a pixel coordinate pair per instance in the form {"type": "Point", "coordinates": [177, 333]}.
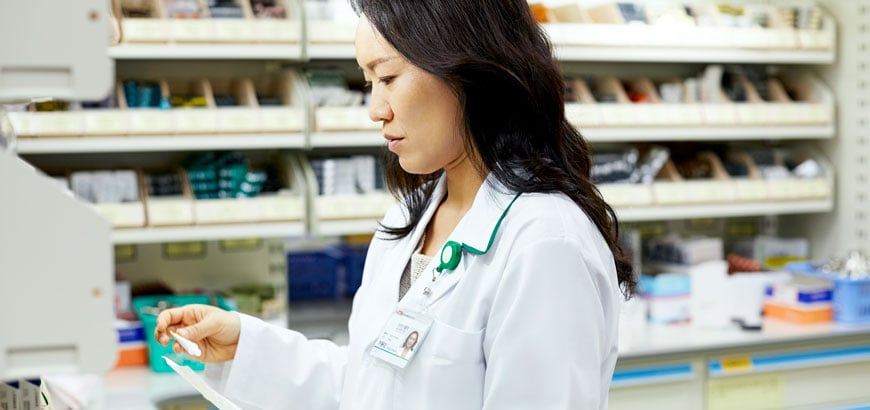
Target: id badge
{"type": "Point", "coordinates": [402, 336]}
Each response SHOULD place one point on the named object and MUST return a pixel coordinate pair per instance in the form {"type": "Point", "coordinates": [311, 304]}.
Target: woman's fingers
{"type": "Point", "coordinates": [168, 320]}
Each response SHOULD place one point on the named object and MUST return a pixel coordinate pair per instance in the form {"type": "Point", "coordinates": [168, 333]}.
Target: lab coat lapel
{"type": "Point", "coordinates": [405, 247]}
{"type": "Point", "coordinates": [475, 230]}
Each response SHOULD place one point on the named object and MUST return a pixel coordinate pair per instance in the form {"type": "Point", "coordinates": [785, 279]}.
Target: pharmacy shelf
{"type": "Point", "coordinates": [722, 133]}
{"type": "Point", "coordinates": [692, 55]}
{"type": "Point", "coordinates": [206, 52]}
{"type": "Point", "coordinates": [636, 134]}
{"type": "Point", "coordinates": [637, 54]}
{"type": "Point", "coordinates": [658, 340]}
{"type": "Point", "coordinates": [207, 233]}
{"type": "Point", "coordinates": [77, 145]}
{"type": "Point", "coordinates": [345, 227]}
{"type": "Point", "coordinates": [727, 210]}
{"type": "Point", "coordinates": [140, 388]}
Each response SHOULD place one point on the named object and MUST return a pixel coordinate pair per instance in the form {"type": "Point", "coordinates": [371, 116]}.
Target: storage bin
{"type": "Point", "coordinates": [354, 260]}
{"type": "Point", "coordinates": [314, 274]}
{"type": "Point", "coordinates": [157, 351]}
{"type": "Point", "coordinates": [851, 298]}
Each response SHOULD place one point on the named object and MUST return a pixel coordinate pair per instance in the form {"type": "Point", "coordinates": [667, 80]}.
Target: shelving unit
{"type": "Point", "coordinates": [206, 52]}
{"type": "Point", "coordinates": [159, 143]}
{"type": "Point", "coordinates": [207, 233]}
{"type": "Point", "coordinates": [685, 352]}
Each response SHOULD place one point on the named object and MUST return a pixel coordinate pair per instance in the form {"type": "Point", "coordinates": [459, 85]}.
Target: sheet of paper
{"type": "Point", "coordinates": [201, 386]}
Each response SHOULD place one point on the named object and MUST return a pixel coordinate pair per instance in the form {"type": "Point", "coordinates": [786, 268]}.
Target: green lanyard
{"type": "Point", "coordinates": [451, 253]}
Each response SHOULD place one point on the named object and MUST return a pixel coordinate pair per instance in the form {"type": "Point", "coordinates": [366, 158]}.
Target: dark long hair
{"type": "Point", "coordinates": [498, 62]}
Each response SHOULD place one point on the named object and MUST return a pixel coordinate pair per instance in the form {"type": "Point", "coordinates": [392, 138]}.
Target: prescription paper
{"type": "Point", "coordinates": [201, 386]}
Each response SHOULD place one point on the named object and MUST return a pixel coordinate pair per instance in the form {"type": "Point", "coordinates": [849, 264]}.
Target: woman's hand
{"type": "Point", "coordinates": [215, 330]}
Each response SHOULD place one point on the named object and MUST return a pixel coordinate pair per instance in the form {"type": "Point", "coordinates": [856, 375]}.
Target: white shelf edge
{"type": "Point", "coordinates": [207, 232]}
{"type": "Point", "coordinates": [347, 139]}
{"type": "Point", "coordinates": [706, 133]}
{"type": "Point", "coordinates": [637, 54]}
{"type": "Point", "coordinates": [725, 210]}
{"type": "Point", "coordinates": [691, 55]}
{"type": "Point", "coordinates": [345, 227]}
{"type": "Point", "coordinates": [206, 51]}
{"type": "Point", "coordinates": [636, 134]}
{"type": "Point", "coordinates": [77, 145]}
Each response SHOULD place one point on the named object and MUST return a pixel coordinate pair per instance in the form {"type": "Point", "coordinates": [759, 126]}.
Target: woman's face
{"type": "Point", "coordinates": [412, 340]}
{"type": "Point", "coordinates": [420, 114]}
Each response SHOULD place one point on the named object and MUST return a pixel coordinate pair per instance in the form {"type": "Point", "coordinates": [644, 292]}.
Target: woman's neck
{"type": "Point", "coordinates": [463, 182]}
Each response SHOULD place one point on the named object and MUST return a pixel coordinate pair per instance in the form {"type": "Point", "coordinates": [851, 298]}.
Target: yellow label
{"type": "Point", "coordinates": [240, 244]}
{"type": "Point", "coordinates": [184, 250]}
{"type": "Point", "coordinates": [777, 262]}
{"type": "Point", "coordinates": [745, 392]}
{"type": "Point", "coordinates": [737, 363]}
{"type": "Point", "coordinates": [125, 253]}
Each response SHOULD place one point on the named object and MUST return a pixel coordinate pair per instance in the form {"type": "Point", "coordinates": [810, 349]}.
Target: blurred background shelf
{"type": "Point", "coordinates": [206, 52]}
{"type": "Point", "coordinates": [655, 213]}
{"type": "Point", "coordinates": [204, 233]}
{"type": "Point", "coordinates": [77, 145]}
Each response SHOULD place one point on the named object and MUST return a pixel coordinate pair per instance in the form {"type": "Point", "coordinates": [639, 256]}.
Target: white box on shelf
{"type": "Point", "coordinates": [582, 115]}
{"type": "Point", "coordinates": [749, 190]}
{"type": "Point", "coordinates": [170, 211]}
{"type": "Point", "coordinates": [670, 192]}
{"type": "Point", "coordinates": [106, 122]}
{"type": "Point", "coordinates": [238, 119]}
{"type": "Point", "coordinates": [57, 123]}
{"type": "Point", "coordinates": [278, 31]}
{"type": "Point", "coordinates": [123, 215]}
{"type": "Point", "coordinates": [192, 30]}
{"type": "Point", "coordinates": [234, 30]}
{"type": "Point", "coordinates": [676, 114]}
{"type": "Point", "coordinates": [344, 119]}
{"type": "Point", "coordinates": [145, 30]}
{"type": "Point", "coordinates": [710, 191]}
{"type": "Point", "coordinates": [278, 207]}
{"type": "Point", "coordinates": [282, 119]}
{"type": "Point", "coordinates": [719, 114]}
{"type": "Point", "coordinates": [618, 195]}
{"type": "Point", "coordinates": [194, 120]}
{"type": "Point", "coordinates": [363, 206]}
{"type": "Point", "coordinates": [224, 211]}
{"type": "Point", "coordinates": [151, 121]}
{"type": "Point", "coordinates": [20, 123]}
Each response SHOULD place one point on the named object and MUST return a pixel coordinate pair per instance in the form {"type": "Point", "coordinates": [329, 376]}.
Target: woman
{"type": "Point", "coordinates": [410, 342]}
{"type": "Point", "coordinates": [487, 168]}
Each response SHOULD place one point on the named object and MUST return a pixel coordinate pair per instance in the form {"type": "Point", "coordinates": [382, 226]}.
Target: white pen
{"type": "Point", "coordinates": [191, 347]}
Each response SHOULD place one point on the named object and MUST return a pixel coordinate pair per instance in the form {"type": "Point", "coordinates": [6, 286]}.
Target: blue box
{"type": "Point", "coordinates": [355, 260]}
{"type": "Point", "coordinates": [851, 297]}
{"type": "Point", "coordinates": [314, 274]}
{"type": "Point", "coordinates": [665, 284]}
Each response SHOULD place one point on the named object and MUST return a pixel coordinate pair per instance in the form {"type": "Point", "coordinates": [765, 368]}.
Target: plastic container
{"type": "Point", "coordinates": [314, 274]}
{"type": "Point", "coordinates": [354, 260]}
{"type": "Point", "coordinates": [157, 351]}
{"type": "Point", "coordinates": [851, 298]}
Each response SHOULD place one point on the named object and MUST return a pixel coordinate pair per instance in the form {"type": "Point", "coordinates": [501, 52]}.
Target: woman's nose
{"type": "Point", "coordinates": [379, 109]}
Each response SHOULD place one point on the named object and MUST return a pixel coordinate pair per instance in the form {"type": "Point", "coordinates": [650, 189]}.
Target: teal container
{"type": "Point", "coordinates": [149, 321]}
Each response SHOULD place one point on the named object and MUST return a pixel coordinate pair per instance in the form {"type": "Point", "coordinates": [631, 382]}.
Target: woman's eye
{"type": "Point", "coordinates": [386, 80]}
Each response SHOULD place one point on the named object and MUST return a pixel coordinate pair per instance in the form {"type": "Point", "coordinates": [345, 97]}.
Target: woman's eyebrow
{"type": "Point", "coordinates": [372, 64]}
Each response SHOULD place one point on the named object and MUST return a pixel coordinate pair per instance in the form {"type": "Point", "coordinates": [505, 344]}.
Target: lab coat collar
{"type": "Point", "coordinates": [474, 230]}
{"type": "Point", "coordinates": [477, 226]}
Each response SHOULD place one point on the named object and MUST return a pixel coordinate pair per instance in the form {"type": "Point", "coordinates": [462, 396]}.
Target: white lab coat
{"type": "Point", "coordinates": [532, 324]}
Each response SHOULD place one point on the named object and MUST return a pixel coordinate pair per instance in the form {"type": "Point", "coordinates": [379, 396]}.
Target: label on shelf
{"type": "Point", "coordinates": [235, 30]}
{"type": "Point", "coordinates": [756, 391]}
{"type": "Point", "coordinates": [192, 30]}
{"type": "Point", "coordinates": [238, 119]}
{"type": "Point", "coordinates": [278, 31]}
{"type": "Point", "coordinates": [111, 122]}
{"type": "Point", "coordinates": [145, 30]}
{"type": "Point", "coordinates": [282, 119]}
{"type": "Point", "coordinates": [151, 121]}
